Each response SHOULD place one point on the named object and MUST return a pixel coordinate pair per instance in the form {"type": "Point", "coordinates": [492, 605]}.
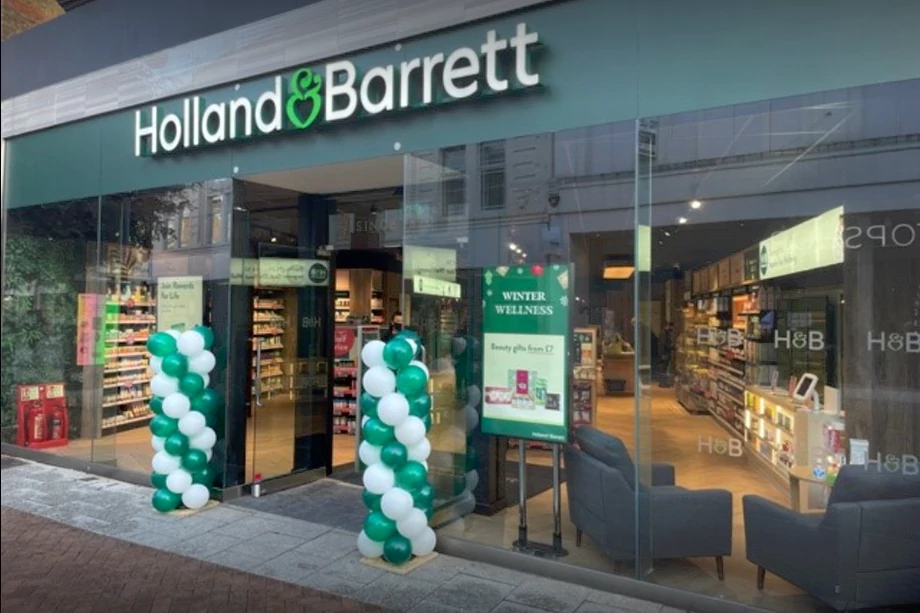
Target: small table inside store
{"type": "Point", "coordinates": [800, 478]}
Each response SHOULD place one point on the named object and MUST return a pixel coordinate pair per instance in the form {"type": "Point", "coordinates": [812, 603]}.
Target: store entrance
{"type": "Point", "coordinates": [322, 275]}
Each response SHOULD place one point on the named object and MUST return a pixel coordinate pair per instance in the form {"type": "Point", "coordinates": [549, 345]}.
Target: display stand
{"type": "Point", "coordinates": [523, 544]}
{"type": "Point", "coordinates": [584, 377]}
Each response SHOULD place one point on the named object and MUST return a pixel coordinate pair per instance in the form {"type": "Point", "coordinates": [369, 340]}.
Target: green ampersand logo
{"type": "Point", "coordinates": [305, 87]}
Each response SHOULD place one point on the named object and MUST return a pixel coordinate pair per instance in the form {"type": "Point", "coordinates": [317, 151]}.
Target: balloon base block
{"type": "Point", "coordinates": [400, 569]}
{"type": "Point", "coordinates": [183, 512]}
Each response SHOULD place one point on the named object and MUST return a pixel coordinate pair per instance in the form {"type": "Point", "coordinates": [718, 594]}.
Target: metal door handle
{"type": "Point", "coordinates": [258, 341]}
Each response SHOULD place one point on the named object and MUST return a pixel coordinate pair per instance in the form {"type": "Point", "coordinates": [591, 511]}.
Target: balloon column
{"type": "Point", "coordinates": [396, 409]}
{"type": "Point", "coordinates": [185, 412]}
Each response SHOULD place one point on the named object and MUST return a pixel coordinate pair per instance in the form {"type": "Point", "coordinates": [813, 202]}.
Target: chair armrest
{"type": "Point", "coordinates": [662, 473]}
{"type": "Point", "coordinates": [690, 523]}
{"type": "Point", "coordinates": [789, 544]}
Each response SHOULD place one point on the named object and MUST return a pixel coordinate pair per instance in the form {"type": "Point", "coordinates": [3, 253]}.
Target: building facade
{"type": "Point", "coordinates": [728, 195]}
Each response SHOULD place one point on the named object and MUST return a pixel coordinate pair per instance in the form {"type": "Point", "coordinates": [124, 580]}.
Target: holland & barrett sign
{"type": "Point", "coordinates": [525, 335]}
{"type": "Point", "coordinates": [309, 97]}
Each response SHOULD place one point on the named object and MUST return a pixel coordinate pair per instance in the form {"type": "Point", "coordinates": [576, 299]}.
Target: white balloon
{"type": "Point", "coordinates": [369, 548]}
{"type": "Point", "coordinates": [372, 354]}
{"type": "Point", "coordinates": [420, 451]}
{"type": "Point", "coordinates": [422, 366]}
{"type": "Point", "coordinates": [190, 343]}
{"type": "Point", "coordinates": [467, 504]}
{"type": "Point", "coordinates": [396, 503]}
{"type": "Point", "coordinates": [178, 481]}
{"type": "Point", "coordinates": [378, 478]}
{"type": "Point", "coordinates": [424, 543]}
{"type": "Point", "coordinates": [393, 409]}
{"type": "Point", "coordinates": [176, 405]}
{"type": "Point", "coordinates": [202, 363]}
{"type": "Point", "coordinates": [163, 385]}
{"type": "Point", "coordinates": [472, 480]}
{"type": "Point", "coordinates": [369, 454]}
{"type": "Point", "coordinates": [192, 424]}
{"type": "Point", "coordinates": [206, 378]}
{"type": "Point", "coordinates": [165, 463]}
{"type": "Point", "coordinates": [158, 442]}
{"type": "Point", "coordinates": [204, 440]}
{"type": "Point", "coordinates": [174, 333]}
{"type": "Point", "coordinates": [196, 496]}
{"type": "Point", "coordinates": [156, 364]}
{"type": "Point", "coordinates": [473, 395]}
{"type": "Point", "coordinates": [413, 524]}
{"type": "Point", "coordinates": [364, 420]}
{"type": "Point", "coordinates": [414, 346]}
{"type": "Point", "coordinates": [379, 381]}
{"type": "Point", "coordinates": [472, 418]}
{"type": "Point", "coordinates": [411, 431]}
{"type": "Point", "coordinates": [209, 453]}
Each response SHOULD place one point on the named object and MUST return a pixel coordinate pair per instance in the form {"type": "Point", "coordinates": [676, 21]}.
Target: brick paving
{"type": "Point", "coordinates": [53, 568]}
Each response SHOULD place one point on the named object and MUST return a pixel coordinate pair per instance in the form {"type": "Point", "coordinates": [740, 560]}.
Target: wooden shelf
{"type": "Point", "coordinates": [126, 401]}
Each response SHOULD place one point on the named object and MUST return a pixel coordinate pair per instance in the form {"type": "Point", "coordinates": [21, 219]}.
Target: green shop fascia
{"type": "Point", "coordinates": [317, 97]}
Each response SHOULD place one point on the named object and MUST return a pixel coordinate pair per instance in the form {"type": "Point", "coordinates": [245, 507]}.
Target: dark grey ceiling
{"type": "Point", "coordinates": [102, 33]}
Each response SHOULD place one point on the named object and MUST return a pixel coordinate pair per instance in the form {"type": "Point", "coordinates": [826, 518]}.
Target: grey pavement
{"type": "Point", "coordinates": [292, 549]}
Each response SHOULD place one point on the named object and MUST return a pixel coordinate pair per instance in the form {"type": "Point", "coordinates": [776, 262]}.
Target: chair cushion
{"type": "Point", "coordinates": [607, 449]}
{"type": "Point", "coordinates": [873, 482]}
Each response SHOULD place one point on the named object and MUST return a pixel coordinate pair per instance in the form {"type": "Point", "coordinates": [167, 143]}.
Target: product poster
{"type": "Point", "coordinates": [525, 334]}
{"type": "Point", "coordinates": [180, 303]}
{"type": "Point", "coordinates": [90, 337]}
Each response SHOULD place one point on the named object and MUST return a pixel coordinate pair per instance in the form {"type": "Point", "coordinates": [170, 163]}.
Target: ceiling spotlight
{"type": "Point", "coordinates": [523, 255]}
{"type": "Point", "coordinates": [274, 239]}
{"type": "Point", "coordinates": [682, 220]}
{"type": "Point", "coordinates": [695, 204]}
{"type": "Point", "coordinates": [512, 246]}
{"type": "Point", "coordinates": [666, 233]}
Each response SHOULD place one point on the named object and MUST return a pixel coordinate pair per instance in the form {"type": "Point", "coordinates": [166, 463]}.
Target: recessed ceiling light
{"type": "Point", "coordinates": [695, 204]}
{"type": "Point", "coordinates": [682, 220]}
{"type": "Point", "coordinates": [666, 233]}
{"type": "Point", "coordinates": [512, 247]}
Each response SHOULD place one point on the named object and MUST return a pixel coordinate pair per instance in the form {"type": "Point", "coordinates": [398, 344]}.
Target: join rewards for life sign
{"type": "Point", "coordinates": [525, 332]}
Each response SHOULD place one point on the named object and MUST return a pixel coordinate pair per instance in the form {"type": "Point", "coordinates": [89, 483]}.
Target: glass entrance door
{"type": "Point", "coordinates": [290, 363]}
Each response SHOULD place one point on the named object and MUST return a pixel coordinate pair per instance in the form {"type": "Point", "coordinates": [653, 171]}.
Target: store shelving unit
{"type": "Point", "coordinates": [345, 395]}
{"type": "Point", "coordinates": [342, 306]}
{"type": "Point", "coordinates": [769, 429]}
{"type": "Point", "coordinates": [129, 320]}
{"type": "Point", "coordinates": [268, 328]}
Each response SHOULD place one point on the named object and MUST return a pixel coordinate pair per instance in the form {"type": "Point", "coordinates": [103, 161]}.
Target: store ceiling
{"type": "Point", "coordinates": [357, 176]}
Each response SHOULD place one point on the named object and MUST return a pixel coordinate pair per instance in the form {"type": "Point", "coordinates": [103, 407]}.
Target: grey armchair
{"type": "Point", "coordinates": [864, 551]}
{"type": "Point", "coordinates": [601, 485]}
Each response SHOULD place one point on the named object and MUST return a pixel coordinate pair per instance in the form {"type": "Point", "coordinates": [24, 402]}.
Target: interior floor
{"type": "Point", "coordinates": [675, 439]}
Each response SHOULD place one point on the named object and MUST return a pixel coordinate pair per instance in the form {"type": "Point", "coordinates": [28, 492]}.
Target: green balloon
{"type": "Point", "coordinates": [158, 481]}
{"type": "Point", "coordinates": [394, 454]}
{"type": "Point", "coordinates": [423, 497]}
{"type": "Point", "coordinates": [176, 444]}
{"type": "Point", "coordinates": [163, 426]}
{"type": "Point", "coordinates": [156, 405]}
{"type": "Point", "coordinates": [194, 460]}
{"type": "Point", "coordinates": [420, 405]}
{"type": "Point", "coordinates": [429, 512]}
{"type": "Point", "coordinates": [411, 476]}
{"type": "Point", "coordinates": [397, 353]}
{"type": "Point", "coordinates": [175, 365]}
{"type": "Point", "coordinates": [470, 462]}
{"type": "Point", "coordinates": [165, 501]}
{"type": "Point", "coordinates": [191, 384]}
{"type": "Point", "coordinates": [427, 421]}
{"type": "Point", "coordinates": [377, 433]}
{"type": "Point", "coordinates": [161, 344]}
{"type": "Point", "coordinates": [208, 401]}
{"type": "Point", "coordinates": [205, 476]}
{"type": "Point", "coordinates": [371, 501]}
{"type": "Point", "coordinates": [206, 334]}
{"type": "Point", "coordinates": [379, 527]}
{"type": "Point", "coordinates": [411, 381]}
{"type": "Point", "coordinates": [397, 549]}
{"type": "Point", "coordinates": [369, 405]}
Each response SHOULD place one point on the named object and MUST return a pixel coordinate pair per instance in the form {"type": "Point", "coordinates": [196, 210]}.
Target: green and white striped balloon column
{"type": "Point", "coordinates": [396, 409]}
{"type": "Point", "coordinates": [185, 414]}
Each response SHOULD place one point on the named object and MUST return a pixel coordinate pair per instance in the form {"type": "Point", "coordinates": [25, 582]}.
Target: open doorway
{"type": "Point", "coordinates": [323, 252]}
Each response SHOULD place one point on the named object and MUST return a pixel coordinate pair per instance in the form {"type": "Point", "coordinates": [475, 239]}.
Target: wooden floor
{"type": "Point", "coordinates": [675, 438]}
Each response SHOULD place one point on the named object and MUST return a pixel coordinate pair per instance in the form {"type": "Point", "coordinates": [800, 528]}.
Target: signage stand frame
{"type": "Point", "coordinates": [523, 544]}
